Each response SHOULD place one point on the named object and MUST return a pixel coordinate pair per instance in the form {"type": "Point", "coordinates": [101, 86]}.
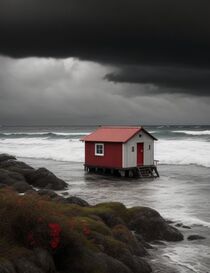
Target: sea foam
{"type": "Point", "coordinates": [193, 133]}
{"type": "Point", "coordinates": [66, 146]}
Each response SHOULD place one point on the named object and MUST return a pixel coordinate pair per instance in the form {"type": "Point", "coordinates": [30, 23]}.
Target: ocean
{"type": "Point", "coordinates": [181, 194]}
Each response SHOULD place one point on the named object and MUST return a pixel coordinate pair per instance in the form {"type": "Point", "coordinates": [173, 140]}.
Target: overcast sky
{"type": "Point", "coordinates": [95, 62]}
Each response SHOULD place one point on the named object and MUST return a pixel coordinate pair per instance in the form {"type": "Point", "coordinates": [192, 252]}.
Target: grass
{"type": "Point", "coordinates": [67, 231]}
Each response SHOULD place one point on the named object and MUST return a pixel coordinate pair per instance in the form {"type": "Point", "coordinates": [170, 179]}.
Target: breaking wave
{"type": "Point", "coordinates": [65, 146]}
{"type": "Point", "coordinates": [183, 152]}
{"type": "Point", "coordinates": [193, 133]}
{"type": "Point", "coordinates": [42, 134]}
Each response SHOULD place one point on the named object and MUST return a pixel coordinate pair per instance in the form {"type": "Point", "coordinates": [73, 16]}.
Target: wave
{"type": "Point", "coordinates": [183, 152]}
{"type": "Point", "coordinates": [167, 151]}
{"type": "Point", "coordinates": [193, 133]}
{"type": "Point", "coordinates": [43, 134]}
{"type": "Point", "coordinates": [59, 150]}
{"type": "Point", "coordinates": [187, 219]}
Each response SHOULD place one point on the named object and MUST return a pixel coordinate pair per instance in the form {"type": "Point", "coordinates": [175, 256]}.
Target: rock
{"type": "Point", "coordinates": [49, 193]}
{"type": "Point", "coordinates": [179, 225]}
{"type": "Point", "coordinates": [43, 178]}
{"type": "Point", "coordinates": [77, 200]}
{"type": "Point", "coordinates": [24, 265]}
{"type": "Point", "coordinates": [3, 186]}
{"type": "Point", "coordinates": [110, 219]}
{"type": "Point", "coordinates": [31, 192]}
{"type": "Point", "coordinates": [195, 237]}
{"type": "Point", "coordinates": [21, 186]}
{"type": "Point", "coordinates": [142, 241]}
{"type": "Point", "coordinates": [65, 193]}
{"type": "Point", "coordinates": [120, 251]}
{"type": "Point", "coordinates": [5, 157]}
{"type": "Point", "coordinates": [186, 227]}
{"type": "Point", "coordinates": [158, 242]}
{"type": "Point", "coordinates": [9, 177]}
{"type": "Point", "coordinates": [151, 225]}
{"type": "Point", "coordinates": [6, 267]}
{"type": "Point", "coordinates": [14, 164]}
{"type": "Point", "coordinates": [60, 199]}
{"type": "Point", "coordinates": [123, 234]}
{"type": "Point", "coordinates": [44, 260]}
{"type": "Point", "coordinates": [135, 263]}
{"type": "Point", "coordinates": [183, 226]}
{"type": "Point", "coordinates": [97, 262]}
{"type": "Point", "coordinates": [112, 265]}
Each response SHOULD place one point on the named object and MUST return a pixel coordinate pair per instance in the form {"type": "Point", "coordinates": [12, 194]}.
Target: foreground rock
{"type": "Point", "coordinates": [21, 187]}
{"type": "Point", "coordinates": [77, 200]}
{"type": "Point", "coordinates": [195, 237]}
{"type": "Point", "coordinates": [43, 178]}
{"type": "Point", "coordinates": [47, 233]}
{"type": "Point", "coordinates": [5, 157]}
{"type": "Point", "coordinates": [152, 226]}
{"type": "Point", "coordinates": [14, 172]}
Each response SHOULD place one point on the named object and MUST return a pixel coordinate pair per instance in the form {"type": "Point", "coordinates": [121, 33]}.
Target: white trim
{"type": "Point", "coordinates": [96, 149]}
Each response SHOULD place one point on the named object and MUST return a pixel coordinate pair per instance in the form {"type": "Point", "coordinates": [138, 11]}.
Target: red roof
{"type": "Point", "coordinates": [114, 134]}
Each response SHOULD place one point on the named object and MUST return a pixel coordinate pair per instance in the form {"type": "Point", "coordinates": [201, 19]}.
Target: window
{"type": "Point", "coordinates": [99, 149]}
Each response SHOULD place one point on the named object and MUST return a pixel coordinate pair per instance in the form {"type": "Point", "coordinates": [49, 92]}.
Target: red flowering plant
{"type": "Point", "coordinates": [45, 235]}
{"type": "Point", "coordinates": [55, 231]}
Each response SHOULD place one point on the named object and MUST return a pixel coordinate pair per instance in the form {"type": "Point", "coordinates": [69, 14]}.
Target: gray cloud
{"type": "Point", "coordinates": [70, 91]}
{"type": "Point", "coordinates": [186, 80]}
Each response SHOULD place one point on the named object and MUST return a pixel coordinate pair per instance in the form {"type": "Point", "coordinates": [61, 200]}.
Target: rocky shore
{"type": "Point", "coordinates": [43, 232]}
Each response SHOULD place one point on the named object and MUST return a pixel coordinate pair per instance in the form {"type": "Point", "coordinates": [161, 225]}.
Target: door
{"type": "Point", "coordinates": [140, 154]}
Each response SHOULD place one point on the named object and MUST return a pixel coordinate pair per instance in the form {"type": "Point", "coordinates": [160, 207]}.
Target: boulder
{"type": "Point", "coordinates": [3, 186]}
{"type": "Point", "coordinates": [195, 237]}
{"type": "Point", "coordinates": [9, 177]}
{"type": "Point", "coordinates": [112, 265]}
{"type": "Point", "coordinates": [24, 265]}
{"type": "Point", "coordinates": [44, 260]}
{"type": "Point", "coordinates": [60, 199]}
{"type": "Point", "coordinates": [65, 193]}
{"type": "Point", "coordinates": [6, 267]}
{"type": "Point", "coordinates": [43, 178]}
{"type": "Point", "coordinates": [151, 225]}
{"type": "Point", "coordinates": [12, 163]}
{"type": "Point", "coordinates": [77, 200]}
{"type": "Point", "coordinates": [96, 262]}
{"type": "Point", "coordinates": [21, 186]}
{"type": "Point", "coordinates": [49, 193]}
{"type": "Point", "coordinates": [5, 157]}
{"type": "Point", "coordinates": [123, 234]}
{"type": "Point", "coordinates": [31, 192]}
{"type": "Point", "coordinates": [186, 227]}
{"type": "Point", "coordinates": [120, 251]}
{"type": "Point", "coordinates": [16, 167]}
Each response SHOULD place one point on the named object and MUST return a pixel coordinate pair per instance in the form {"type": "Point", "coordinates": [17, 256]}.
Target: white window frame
{"type": "Point", "coordinates": [97, 154]}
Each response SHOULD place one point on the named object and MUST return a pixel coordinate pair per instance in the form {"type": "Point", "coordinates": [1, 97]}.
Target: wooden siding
{"type": "Point", "coordinates": [112, 155]}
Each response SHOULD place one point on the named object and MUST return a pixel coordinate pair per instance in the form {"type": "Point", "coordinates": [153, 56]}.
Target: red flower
{"type": "Point", "coordinates": [55, 231]}
{"type": "Point", "coordinates": [86, 230]}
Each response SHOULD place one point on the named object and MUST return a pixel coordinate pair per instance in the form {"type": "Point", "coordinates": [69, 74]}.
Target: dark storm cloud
{"type": "Point", "coordinates": [120, 31]}
{"type": "Point", "coordinates": [167, 79]}
{"type": "Point", "coordinates": [157, 42]}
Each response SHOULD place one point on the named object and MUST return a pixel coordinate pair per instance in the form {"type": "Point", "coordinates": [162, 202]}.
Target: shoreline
{"type": "Point", "coordinates": [113, 219]}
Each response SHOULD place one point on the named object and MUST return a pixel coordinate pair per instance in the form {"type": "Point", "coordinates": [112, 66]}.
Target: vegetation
{"type": "Point", "coordinates": [79, 239]}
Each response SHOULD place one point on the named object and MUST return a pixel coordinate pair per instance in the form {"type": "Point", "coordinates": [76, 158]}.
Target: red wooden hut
{"type": "Point", "coordinates": [129, 150]}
